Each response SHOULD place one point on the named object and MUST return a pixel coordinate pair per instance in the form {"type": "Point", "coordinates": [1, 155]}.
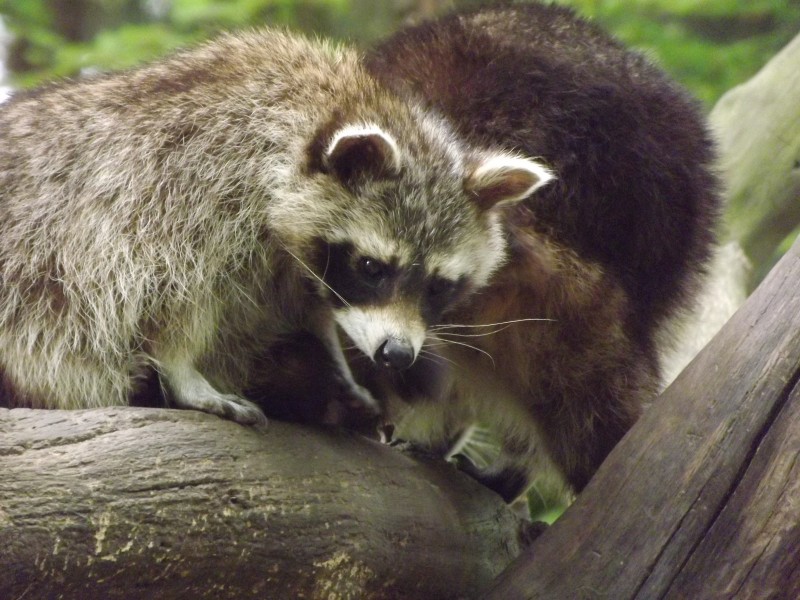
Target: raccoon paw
{"type": "Point", "coordinates": [415, 449]}
{"type": "Point", "coordinates": [509, 482]}
{"type": "Point", "coordinates": [353, 408]}
{"type": "Point", "coordinates": [241, 411]}
{"type": "Point", "coordinates": [190, 389]}
{"type": "Point", "coordinates": [229, 406]}
{"type": "Point", "coordinates": [357, 397]}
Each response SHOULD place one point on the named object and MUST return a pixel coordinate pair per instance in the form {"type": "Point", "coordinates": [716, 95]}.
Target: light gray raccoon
{"type": "Point", "coordinates": [603, 257]}
{"type": "Point", "coordinates": [181, 219]}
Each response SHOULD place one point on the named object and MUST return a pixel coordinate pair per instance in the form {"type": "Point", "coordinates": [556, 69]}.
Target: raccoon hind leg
{"type": "Point", "coordinates": [507, 477]}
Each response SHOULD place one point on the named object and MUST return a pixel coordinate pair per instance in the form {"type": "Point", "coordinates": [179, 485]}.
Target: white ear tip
{"type": "Point", "coordinates": [505, 178]}
{"type": "Point", "coordinates": [349, 132]}
{"type": "Point", "coordinates": [508, 162]}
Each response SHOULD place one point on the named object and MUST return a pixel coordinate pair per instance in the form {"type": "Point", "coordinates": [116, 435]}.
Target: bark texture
{"type": "Point", "coordinates": [150, 503]}
{"type": "Point", "coordinates": [758, 128]}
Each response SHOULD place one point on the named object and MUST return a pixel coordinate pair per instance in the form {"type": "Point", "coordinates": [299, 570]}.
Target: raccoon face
{"type": "Point", "coordinates": [415, 239]}
{"type": "Point", "coordinates": [384, 303]}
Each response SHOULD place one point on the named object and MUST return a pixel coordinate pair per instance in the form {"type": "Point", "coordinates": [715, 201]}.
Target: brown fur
{"type": "Point", "coordinates": [608, 253]}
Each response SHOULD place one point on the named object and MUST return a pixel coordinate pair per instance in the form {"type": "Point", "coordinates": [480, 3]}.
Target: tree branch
{"type": "Point", "coordinates": [133, 503]}
{"type": "Point", "coordinates": [758, 128]}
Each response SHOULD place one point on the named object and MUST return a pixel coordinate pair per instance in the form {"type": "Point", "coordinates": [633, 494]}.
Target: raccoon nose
{"type": "Point", "coordinates": [395, 353]}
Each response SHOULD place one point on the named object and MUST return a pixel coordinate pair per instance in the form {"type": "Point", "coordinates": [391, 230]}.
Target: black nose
{"type": "Point", "coordinates": [395, 353]}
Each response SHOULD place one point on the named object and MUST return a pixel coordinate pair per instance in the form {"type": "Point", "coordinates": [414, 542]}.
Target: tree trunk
{"type": "Point", "coordinates": [758, 128]}
{"type": "Point", "coordinates": [702, 498]}
{"type": "Point", "coordinates": [149, 503]}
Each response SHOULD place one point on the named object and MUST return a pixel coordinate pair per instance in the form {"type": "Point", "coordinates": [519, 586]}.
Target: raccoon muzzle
{"type": "Point", "coordinates": [395, 353]}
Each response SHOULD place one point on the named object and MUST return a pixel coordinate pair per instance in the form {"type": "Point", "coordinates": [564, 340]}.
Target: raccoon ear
{"type": "Point", "coordinates": [356, 151]}
{"type": "Point", "coordinates": [504, 179]}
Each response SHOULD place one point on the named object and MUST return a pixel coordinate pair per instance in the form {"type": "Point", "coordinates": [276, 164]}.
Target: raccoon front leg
{"type": "Point", "coordinates": [362, 396]}
{"type": "Point", "coordinates": [296, 379]}
{"type": "Point", "coordinates": [189, 389]}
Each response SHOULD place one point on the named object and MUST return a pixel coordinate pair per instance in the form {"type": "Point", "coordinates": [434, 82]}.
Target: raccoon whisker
{"type": "Point", "coordinates": [436, 343]}
{"type": "Point", "coordinates": [494, 365]}
{"type": "Point", "coordinates": [320, 279]}
{"type": "Point", "coordinates": [433, 357]}
{"type": "Point", "coordinates": [327, 262]}
{"type": "Point", "coordinates": [512, 322]}
{"type": "Point", "coordinates": [473, 334]}
{"type": "Point", "coordinates": [359, 355]}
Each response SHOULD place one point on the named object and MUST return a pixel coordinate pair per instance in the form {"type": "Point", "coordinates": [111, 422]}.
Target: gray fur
{"type": "Point", "coordinates": [164, 218]}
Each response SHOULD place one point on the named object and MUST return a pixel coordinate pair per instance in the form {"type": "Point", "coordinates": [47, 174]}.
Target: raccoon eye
{"type": "Point", "coordinates": [372, 268]}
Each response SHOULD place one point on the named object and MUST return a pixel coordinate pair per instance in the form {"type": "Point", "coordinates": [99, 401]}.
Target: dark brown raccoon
{"type": "Point", "coordinates": [605, 254]}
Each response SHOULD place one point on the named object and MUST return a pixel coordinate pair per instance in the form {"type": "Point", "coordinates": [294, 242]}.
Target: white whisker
{"type": "Point", "coordinates": [507, 323]}
{"type": "Point", "coordinates": [320, 279]}
{"type": "Point", "coordinates": [433, 357]}
{"type": "Point", "coordinates": [436, 344]}
{"type": "Point", "coordinates": [473, 348]}
{"type": "Point", "coordinates": [473, 334]}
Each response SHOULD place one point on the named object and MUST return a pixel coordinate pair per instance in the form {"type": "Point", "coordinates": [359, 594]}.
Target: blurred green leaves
{"type": "Point", "coordinates": [60, 38]}
{"type": "Point", "coordinates": [709, 45]}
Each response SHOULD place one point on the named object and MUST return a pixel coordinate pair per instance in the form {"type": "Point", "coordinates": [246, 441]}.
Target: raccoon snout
{"type": "Point", "coordinates": [395, 353]}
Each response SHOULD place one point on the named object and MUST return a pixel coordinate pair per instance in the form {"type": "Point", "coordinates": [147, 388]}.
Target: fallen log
{"type": "Point", "coordinates": [154, 503]}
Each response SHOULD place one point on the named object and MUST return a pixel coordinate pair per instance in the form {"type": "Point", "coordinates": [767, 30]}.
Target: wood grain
{"type": "Point", "coordinates": [153, 503]}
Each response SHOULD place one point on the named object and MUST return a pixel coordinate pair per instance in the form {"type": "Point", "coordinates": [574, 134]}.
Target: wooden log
{"type": "Point", "coordinates": [758, 128]}
{"type": "Point", "coordinates": [701, 499]}
{"type": "Point", "coordinates": [150, 503]}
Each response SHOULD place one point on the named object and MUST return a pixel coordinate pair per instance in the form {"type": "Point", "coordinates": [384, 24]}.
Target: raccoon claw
{"type": "Point", "coordinates": [241, 411]}
{"type": "Point", "coordinates": [228, 406]}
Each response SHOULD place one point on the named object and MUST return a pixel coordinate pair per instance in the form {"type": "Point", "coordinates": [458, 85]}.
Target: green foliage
{"type": "Point", "coordinates": [709, 45]}
{"type": "Point", "coordinates": [113, 34]}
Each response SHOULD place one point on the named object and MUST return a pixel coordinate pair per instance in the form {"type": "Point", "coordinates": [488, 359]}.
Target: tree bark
{"type": "Point", "coordinates": [758, 128]}
{"type": "Point", "coordinates": [702, 498]}
{"type": "Point", "coordinates": [154, 503]}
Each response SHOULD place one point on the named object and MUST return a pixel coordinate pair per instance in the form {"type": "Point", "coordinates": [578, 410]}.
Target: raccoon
{"type": "Point", "coordinates": [558, 355]}
{"type": "Point", "coordinates": [175, 225]}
